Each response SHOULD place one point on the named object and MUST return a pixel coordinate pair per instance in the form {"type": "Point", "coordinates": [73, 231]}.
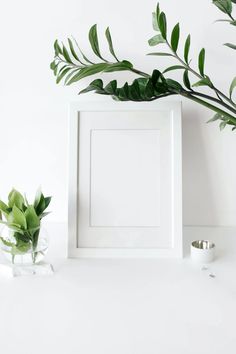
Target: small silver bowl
{"type": "Point", "coordinates": [202, 251]}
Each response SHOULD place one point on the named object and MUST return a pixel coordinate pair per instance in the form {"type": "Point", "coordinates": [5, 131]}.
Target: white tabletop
{"type": "Point", "coordinates": [122, 306]}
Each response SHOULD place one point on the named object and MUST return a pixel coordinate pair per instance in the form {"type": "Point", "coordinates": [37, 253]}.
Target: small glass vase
{"type": "Point", "coordinates": [19, 250]}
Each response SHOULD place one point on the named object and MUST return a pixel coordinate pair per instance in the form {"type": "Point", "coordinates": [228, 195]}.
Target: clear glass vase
{"type": "Point", "coordinates": [26, 248]}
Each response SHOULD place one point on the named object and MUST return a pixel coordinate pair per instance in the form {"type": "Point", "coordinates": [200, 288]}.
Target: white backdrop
{"type": "Point", "coordinates": [34, 111]}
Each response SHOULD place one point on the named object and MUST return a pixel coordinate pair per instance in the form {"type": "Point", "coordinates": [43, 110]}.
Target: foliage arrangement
{"type": "Point", "coordinates": [23, 220]}
{"type": "Point", "coordinates": [70, 65]}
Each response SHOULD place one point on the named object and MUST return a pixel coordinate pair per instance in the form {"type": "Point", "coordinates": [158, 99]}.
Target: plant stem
{"type": "Point", "coordinates": [139, 72]}
{"type": "Point", "coordinates": [210, 106]}
{"type": "Point", "coordinates": [218, 101]}
{"type": "Point", "coordinates": [218, 92]}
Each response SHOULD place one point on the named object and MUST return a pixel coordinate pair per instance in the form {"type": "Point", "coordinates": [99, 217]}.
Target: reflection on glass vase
{"type": "Point", "coordinates": [27, 247]}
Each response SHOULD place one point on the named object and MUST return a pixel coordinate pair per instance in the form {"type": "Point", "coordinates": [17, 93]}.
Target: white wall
{"type": "Point", "coordinates": [33, 110]}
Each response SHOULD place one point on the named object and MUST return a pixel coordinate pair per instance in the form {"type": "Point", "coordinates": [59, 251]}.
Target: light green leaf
{"type": "Point", "coordinates": [15, 198]}
{"type": "Point", "coordinates": [217, 116]}
{"type": "Point", "coordinates": [3, 207]}
{"type": "Point", "coordinates": [32, 218]}
{"type": "Point", "coordinates": [204, 82]}
{"type": "Point", "coordinates": [6, 242]}
{"type": "Point", "coordinates": [201, 61]}
{"type": "Point", "coordinates": [21, 247]}
{"type": "Point", "coordinates": [232, 87]}
{"type": "Point", "coordinates": [16, 216]}
{"type": "Point", "coordinates": [175, 38]}
{"type": "Point", "coordinates": [157, 39]}
{"type": "Point", "coordinates": [154, 22]}
{"type": "Point", "coordinates": [109, 40]}
{"type": "Point", "coordinates": [186, 48]}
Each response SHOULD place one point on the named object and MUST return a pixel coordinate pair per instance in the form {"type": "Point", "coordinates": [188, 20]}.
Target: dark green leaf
{"type": "Point", "coordinates": [93, 39]}
{"type": "Point", "coordinates": [223, 20]}
{"type": "Point", "coordinates": [73, 52]}
{"type": "Point", "coordinates": [72, 73]}
{"type": "Point", "coordinates": [186, 48]}
{"type": "Point", "coordinates": [109, 40]}
{"type": "Point", "coordinates": [186, 80]}
{"type": "Point", "coordinates": [94, 86]}
{"type": "Point", "coordinates": [52, 65]}
{"type": "Point", "coordinates": [111, 87]}
{"type": "Point", "coordinates": [62, 74]}
{"type": "Point", "coordinates": [157, 39]}
{"type": "Point", "coordinates": [223, 125]}
{"type": "Point", "coordinates": [66, 55]}
{"type": "Point", "coordinates": [175, 38]}
{"type": "Point", "coordinates": [120, 66]}
{"type": "Point", "coordinates": [230, 45]}
{"type": "Point", "coordinates": [224, 5]}
{"type": "Point", "coordinates": [217, 116]}
{"type": "Point", "coordinates": [25, 237]}
{"type": "Point", "coordinates": [84, 57]}
{"type": "Point", "coordinates": [162, 24]}
{"type": "Point", "coordinates": [232, 86]}
{"type": "Point", "coordinates": [161, 54]}
{"type": "Point", "coordinates": [47, 201]}
{"type": "Point", "coordinates": [174, 85]}
{"type": "Point", "coordinates": [174, 67]}
{"type": "Point", "coordinates": [57, 48]}
{"type": "Point", "coordinates": [55, 69]}
{"type": "Point", "coordinates": [201, 61]}
{"type": "Point", "coordinates": [87, 71]}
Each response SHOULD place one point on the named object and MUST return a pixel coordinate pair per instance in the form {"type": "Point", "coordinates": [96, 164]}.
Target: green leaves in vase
{"type": "Point", "coordinates": [23, 219]}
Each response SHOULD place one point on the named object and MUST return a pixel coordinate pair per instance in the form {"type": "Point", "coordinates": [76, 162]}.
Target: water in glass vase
{"type": "Point", "coordinates": [26, 248]}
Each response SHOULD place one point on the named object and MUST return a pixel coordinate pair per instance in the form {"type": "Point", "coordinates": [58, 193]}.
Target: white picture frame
{"type": "Point", "coordinates": [148, 137]}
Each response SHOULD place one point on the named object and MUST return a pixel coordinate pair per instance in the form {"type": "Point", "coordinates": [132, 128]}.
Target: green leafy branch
{"type": "Point", "coordinates": [71, 65]}
{"type": "Point", "coordinates": [226, 6]}
{"type": "Point", "coordinates": [160, 25]}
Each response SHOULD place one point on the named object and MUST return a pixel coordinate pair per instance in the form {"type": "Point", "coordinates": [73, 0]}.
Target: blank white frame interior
{"type": "Point", "coordinates": [125, 180]}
